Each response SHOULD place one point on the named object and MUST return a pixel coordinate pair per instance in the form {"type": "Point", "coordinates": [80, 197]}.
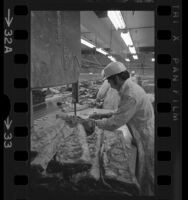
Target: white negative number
{"type": "Point", "coordinates": [8, 33]}
{"type": "Point", "coordinates": [7, 144]}
{"type": "Point", "coordinates": [8, 136]}
{"type": "Point", "coordinates": [7, 40]}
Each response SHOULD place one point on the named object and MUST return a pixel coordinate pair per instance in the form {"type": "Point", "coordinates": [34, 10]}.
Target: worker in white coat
{"type": "Point", "coordinates": [109, 95]}
{"type": "Point", "coordinates": [133, 76]}
{"type": "Point", "coordinates": [135, 110]}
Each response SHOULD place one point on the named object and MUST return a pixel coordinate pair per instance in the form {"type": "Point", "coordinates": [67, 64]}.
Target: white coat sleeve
{"type": "Point", "coordinates": [125, 112]}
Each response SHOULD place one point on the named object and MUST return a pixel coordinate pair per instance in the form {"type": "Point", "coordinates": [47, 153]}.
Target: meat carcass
{"type": "Point", "coordinates": [44, 141]}
{"type": "Point", "coordinates": [103, 159]}
{"type": "Point", "coordinates": [66, 144]}
{"type": "Point", "coordinates": [94, 143]}
{"type": "Point", "coordinates": [73, 147]}
{"type": "Point", "coordinates": [119, 160]}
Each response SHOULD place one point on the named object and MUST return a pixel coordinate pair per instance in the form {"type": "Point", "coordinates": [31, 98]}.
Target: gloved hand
{"type": "Point", "coordinates": [89, 126]}
{"type": "Point", "coordinates": [99, 105]}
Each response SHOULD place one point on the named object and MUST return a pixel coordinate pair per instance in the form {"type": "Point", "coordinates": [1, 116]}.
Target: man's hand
{"type": "Point", "coordinates": [92, 104]}
{"type": "Point", "coordinates": [89, 126]}
{"type": "Point", "coordinates": [99, 102]}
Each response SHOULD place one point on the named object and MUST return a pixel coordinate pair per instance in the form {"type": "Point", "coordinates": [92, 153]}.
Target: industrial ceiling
{"type": "Point", "coordinates": [97, 28]}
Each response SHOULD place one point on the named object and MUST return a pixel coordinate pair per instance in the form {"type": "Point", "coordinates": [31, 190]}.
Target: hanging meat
{"type": "Point", "coordinates": [118, 162]}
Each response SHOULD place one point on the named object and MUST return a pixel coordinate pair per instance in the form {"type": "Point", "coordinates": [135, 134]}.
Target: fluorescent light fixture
{"type": "Point", "coordinates": [101, 51]}
{"type": "Point", "coordinates": [135, 57]}
{"type": "Point", "coordinates": [132, 50]}
{"type": "Point", "coordinates": [116, 19]}
{"type": "Point", "coordinates": [153, 59]}
{"type": "Point", "coordinates": [127, 59]}
{"type": "Point", "coordinates": [112, 58]}
{"type": "Point", "coordinates": [127, 38]}
{"type": "Point", "coordinates": [87, 43]}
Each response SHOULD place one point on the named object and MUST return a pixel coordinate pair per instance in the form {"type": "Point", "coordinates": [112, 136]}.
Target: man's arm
{"type": "Point", "coordinates": [101, 115]}
{"type": "Point", "coordinates": [125, 112]}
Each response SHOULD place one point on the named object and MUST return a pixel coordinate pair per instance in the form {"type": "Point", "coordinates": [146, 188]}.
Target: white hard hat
{"type": "Point", "coordinates": [114, 68]}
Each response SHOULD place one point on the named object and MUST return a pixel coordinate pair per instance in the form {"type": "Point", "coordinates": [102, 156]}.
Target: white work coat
{"type": "Point", "coordinates": [110, 96]}
{"type": "Point", "coordinates": [134, 78]}
{"type": "Point", "coordinates": [135, 110]}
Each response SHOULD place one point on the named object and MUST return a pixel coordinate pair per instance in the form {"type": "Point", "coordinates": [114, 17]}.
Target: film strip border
{"type": "Point", "coordinates": [167, 97]}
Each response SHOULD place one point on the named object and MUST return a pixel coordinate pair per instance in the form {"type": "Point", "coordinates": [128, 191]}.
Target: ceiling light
{"type": "Point", "coordinates": [153, 59]}
{"type": "Point", "coordinates": [127, 38]}
{"type": "Point", "coordinates": [127, 59]}
{"type": "Point", "coordinates": [116, 19]}
{"type": "Point", "coordinates": [112, 58]}
{"type": "Point", "coordinates": [132, 50]}
{"type": "Point", "coordinates": [101, 51]}
{"type": "Point", "coordinates": [135, 57]}
{"type": "Point", "coordinates": [87, 43]}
